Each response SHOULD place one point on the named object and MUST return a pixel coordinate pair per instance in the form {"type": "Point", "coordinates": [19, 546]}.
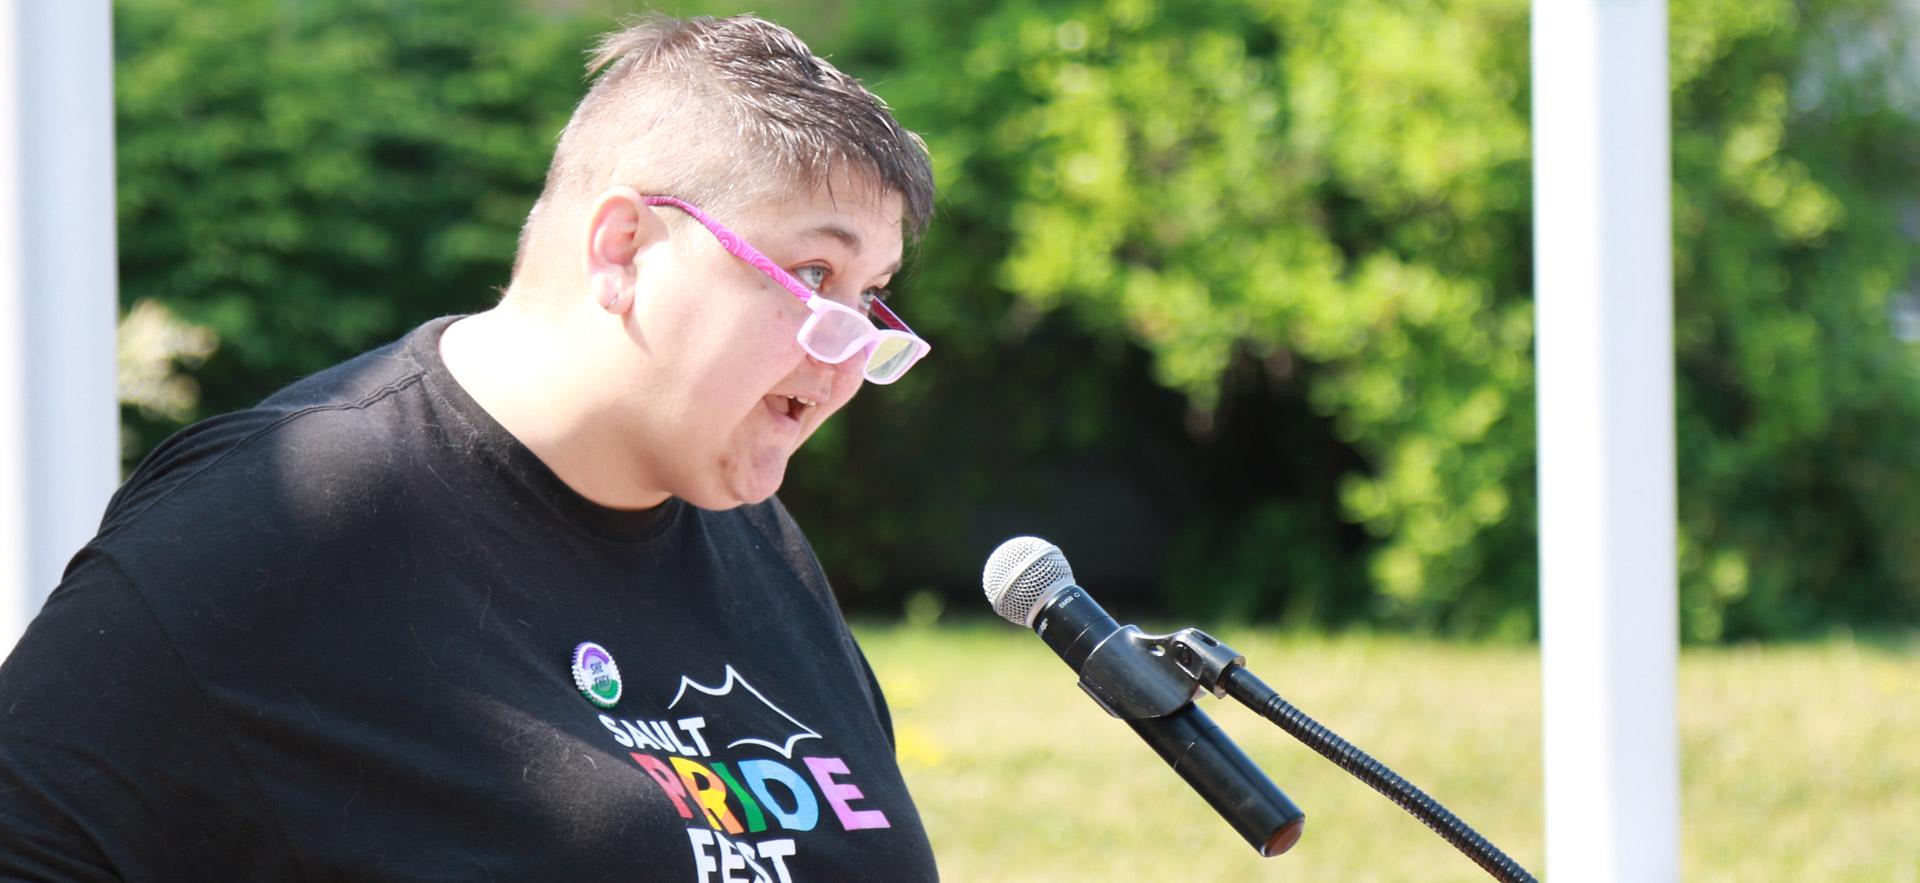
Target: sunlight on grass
{"type": "Point", "coordinates": [1799, 763]}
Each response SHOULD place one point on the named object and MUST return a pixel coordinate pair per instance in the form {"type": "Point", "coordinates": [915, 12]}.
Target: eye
{"type": "Point", "coordinates": [812, 276]}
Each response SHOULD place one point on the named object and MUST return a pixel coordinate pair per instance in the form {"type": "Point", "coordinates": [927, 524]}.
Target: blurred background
{"type": "Point", "coordinates": [1231, 299]}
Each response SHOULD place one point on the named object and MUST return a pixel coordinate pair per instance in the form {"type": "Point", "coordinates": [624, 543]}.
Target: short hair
{"type": "Point", "coordinates": [726, 112]}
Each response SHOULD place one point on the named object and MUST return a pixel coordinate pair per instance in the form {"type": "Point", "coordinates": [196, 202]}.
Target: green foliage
{"type": "Point", "coordinates": [309, 179]}
{"type": "Point", "coordinates": [1324, 201]}
{"type": "Point", "coordinates": [1797, 168]}
{"type": "Point", "coordinates": [1338, 195]}
{"type": "Point", "coordinates": [1230, 298]}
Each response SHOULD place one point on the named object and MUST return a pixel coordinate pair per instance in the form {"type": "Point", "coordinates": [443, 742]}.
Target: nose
{"type": "Point", "coordinates": [851, 368]}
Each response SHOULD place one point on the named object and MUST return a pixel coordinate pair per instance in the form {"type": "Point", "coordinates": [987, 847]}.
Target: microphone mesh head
{"type": "Point", "coordinates": [1021, 574]}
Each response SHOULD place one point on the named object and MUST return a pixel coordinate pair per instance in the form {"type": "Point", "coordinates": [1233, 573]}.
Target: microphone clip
{"type": "Point", "coordinates": [1136, 676]}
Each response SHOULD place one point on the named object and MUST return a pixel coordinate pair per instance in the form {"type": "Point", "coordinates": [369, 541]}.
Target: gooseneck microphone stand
{"type": "Point", "coordinates": [1150, 681]}
{"type": "Point", "coordinates": [1196, 658]}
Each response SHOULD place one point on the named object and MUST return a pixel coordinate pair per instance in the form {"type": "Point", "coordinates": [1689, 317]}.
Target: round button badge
{"type": "Point", "coordinates": [596, 675]}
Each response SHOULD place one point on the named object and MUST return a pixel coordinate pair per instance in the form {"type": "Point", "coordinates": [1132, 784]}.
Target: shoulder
{"type": "Point", "coordinates": [320, 451]}
{"type": "Point", "coordinates": [771, 520]}
{"type": "Point", "coordinates": [768, 523]}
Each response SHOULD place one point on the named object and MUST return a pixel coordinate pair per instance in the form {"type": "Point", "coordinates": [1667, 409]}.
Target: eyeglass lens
{"type": "Point", "coordinates": [835, 333]}
{"type": "Point", "coordinates": [891, 358]}
{"type": "Point", "coordinates": [834, 336]}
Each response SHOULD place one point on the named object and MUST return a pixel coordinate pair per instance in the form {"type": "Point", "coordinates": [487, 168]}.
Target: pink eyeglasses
{"type": "Point", "coordinates": [835, 332]}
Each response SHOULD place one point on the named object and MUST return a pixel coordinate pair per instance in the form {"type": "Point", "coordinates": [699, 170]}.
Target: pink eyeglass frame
{"type": "Point", "coordinates": [745, 251]}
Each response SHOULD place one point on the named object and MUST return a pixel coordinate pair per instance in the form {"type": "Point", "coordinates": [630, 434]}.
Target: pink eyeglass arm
{"type": "Point", "coordinates": [740, 248]}
{"type": "Point", "coordinates": [888, 318]}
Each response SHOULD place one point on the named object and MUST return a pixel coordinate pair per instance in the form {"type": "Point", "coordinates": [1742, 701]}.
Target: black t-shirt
{"type": "Point", "coordinates": [336, 637]}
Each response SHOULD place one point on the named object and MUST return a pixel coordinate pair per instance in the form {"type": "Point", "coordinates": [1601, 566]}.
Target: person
{"type": "Point", "coordinates": [512, 598]}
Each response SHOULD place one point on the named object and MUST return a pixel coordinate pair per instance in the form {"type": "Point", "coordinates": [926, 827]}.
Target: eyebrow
{"type": "Point", "coordinates": [847, 238]}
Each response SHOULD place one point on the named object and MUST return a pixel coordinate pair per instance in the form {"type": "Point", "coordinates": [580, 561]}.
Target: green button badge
{"type": "Point", "coordinates": [596, 675]}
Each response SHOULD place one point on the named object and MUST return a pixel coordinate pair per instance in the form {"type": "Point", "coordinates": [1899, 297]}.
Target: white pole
{"type": "Point", "coordinates": [1604, 355]}
{"type": "Point", "coordinates": [59, 417]}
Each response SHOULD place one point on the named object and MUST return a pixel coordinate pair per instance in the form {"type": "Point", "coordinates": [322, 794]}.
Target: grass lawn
{"type": "Point", "coordinates": [1797, 763]}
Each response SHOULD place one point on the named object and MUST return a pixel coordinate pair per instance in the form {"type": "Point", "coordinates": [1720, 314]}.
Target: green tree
{"type": "Point", "coordinates": [1324, 200]}
{"type": "Point", "coordinates": [1334, 198]}
{"type": "Point", "coordinates": [1231, 298]}
{"type": "Point", "coordinates": [1797, 168]}
{"type": "Point", "coordinates": [306, 180]}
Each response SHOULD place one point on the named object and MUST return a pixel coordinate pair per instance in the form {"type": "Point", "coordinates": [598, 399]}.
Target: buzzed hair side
{"type": "Point", "coordinates": [725, 113]}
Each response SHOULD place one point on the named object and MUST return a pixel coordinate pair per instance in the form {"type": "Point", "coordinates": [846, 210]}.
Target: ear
{"type": "Point", "coordinates": [621, 227]}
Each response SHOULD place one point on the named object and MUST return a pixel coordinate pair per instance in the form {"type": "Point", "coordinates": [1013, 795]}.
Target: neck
{"type": "Point", "coordinates": [546, 379]}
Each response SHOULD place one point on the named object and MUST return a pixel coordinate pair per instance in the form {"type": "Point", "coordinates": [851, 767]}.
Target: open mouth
{"type": "Point", "coordinates": [795, 407]}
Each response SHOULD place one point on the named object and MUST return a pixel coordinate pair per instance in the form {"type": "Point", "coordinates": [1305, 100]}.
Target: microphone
{"type": "Point", "coordinates": [1029, 583]}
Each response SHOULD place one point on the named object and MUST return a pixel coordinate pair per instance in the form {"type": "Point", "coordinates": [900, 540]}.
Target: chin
{"type": "Point", "coordinates": [730, 497]}
{"type": "Point", "coordinates": [740, 481]}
